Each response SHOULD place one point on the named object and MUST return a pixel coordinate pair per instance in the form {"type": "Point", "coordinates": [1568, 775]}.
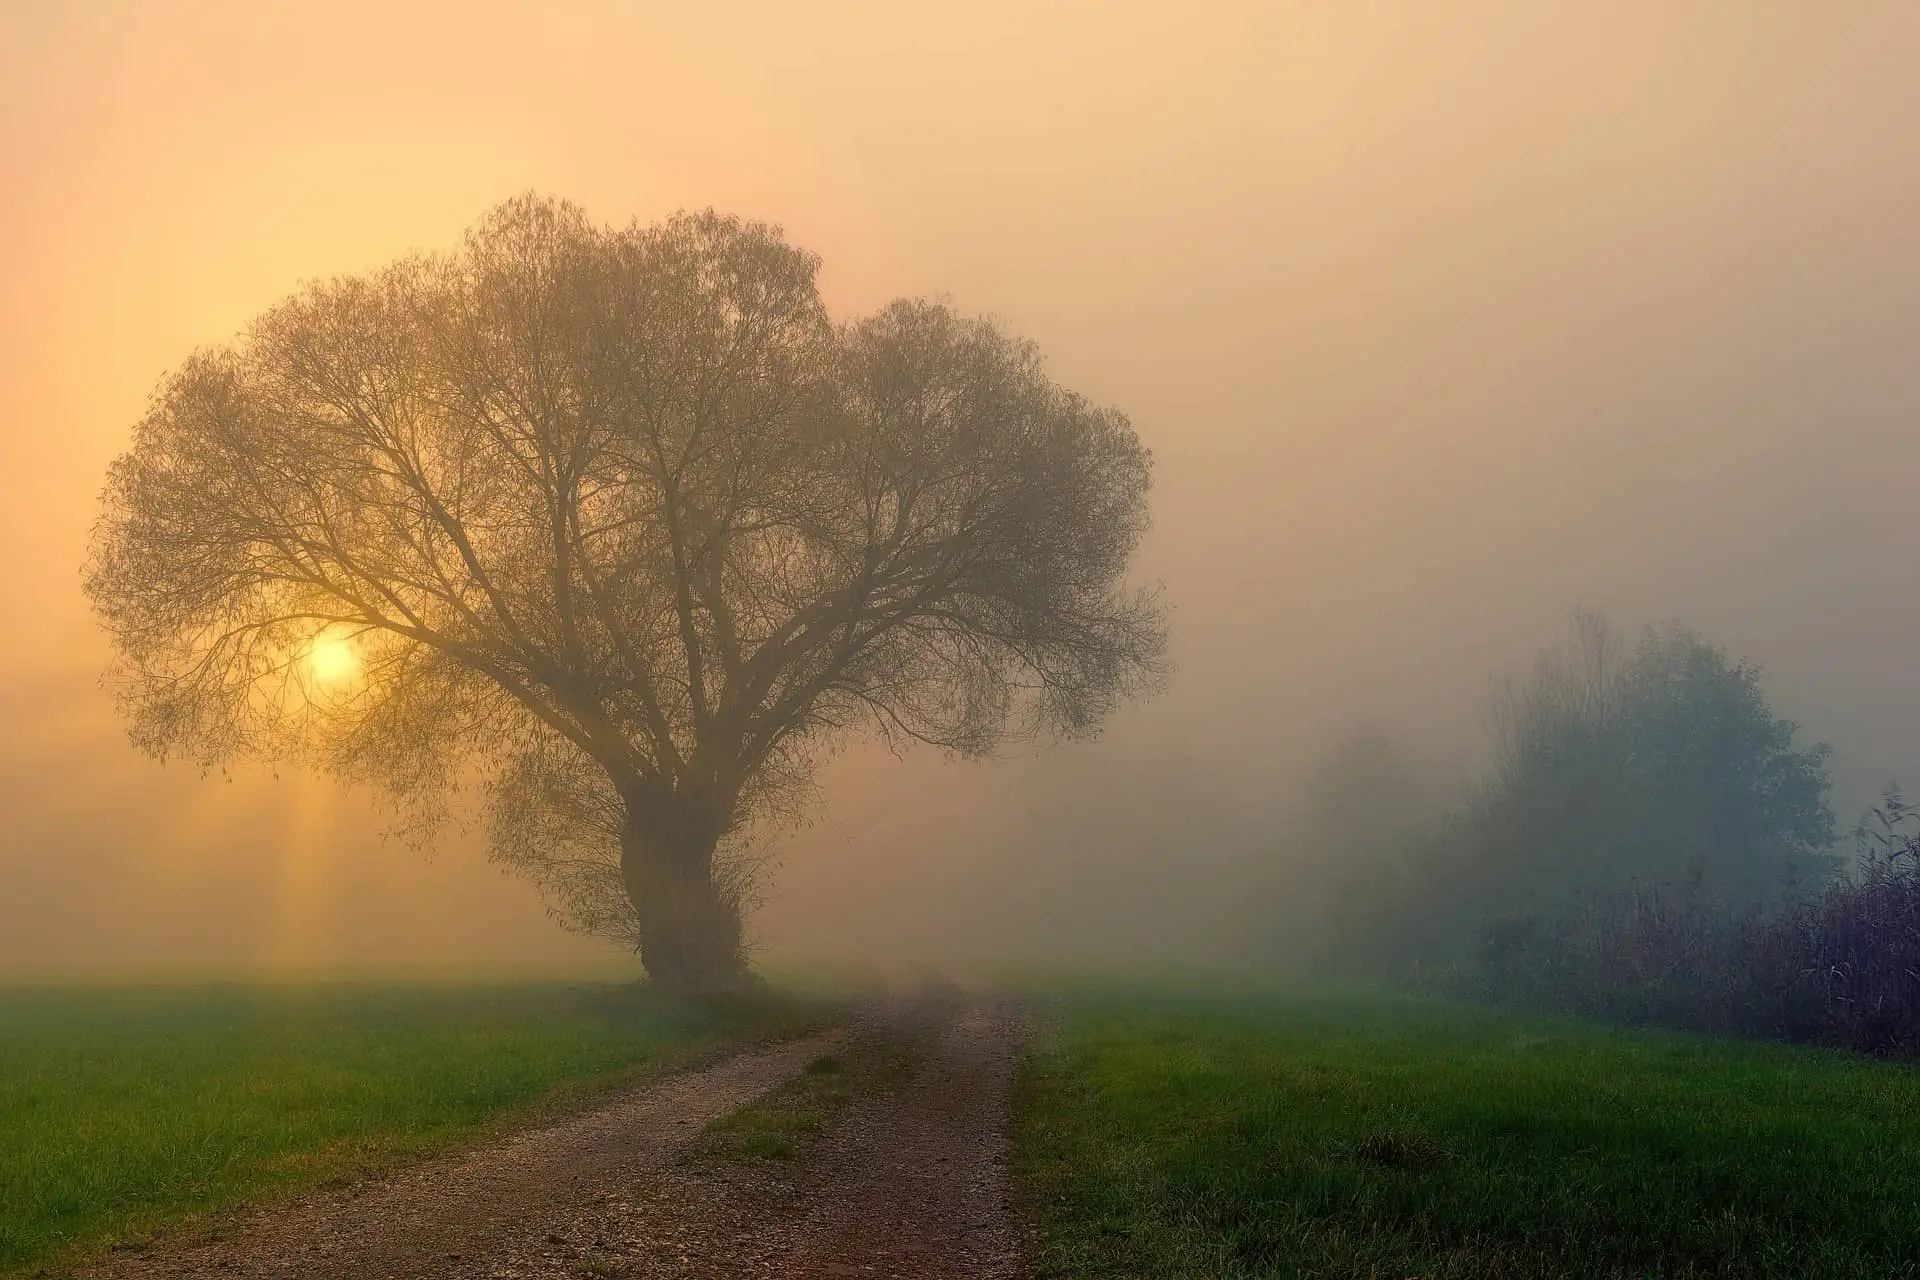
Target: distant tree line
{"type": "Point", "coordinates": [1652, 844]}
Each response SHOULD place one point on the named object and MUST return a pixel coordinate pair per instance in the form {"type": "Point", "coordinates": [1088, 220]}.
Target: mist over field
{"type": "Point", "coordinates": [1439, 320]}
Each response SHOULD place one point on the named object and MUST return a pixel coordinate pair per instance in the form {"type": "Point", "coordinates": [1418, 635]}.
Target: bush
{"type": "Point", "coordinates": [1651, 955]}
{"type": "Point", "coordinates": [1838, 966]}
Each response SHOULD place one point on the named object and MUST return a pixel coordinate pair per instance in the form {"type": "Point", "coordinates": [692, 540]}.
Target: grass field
{"type": "Point", "coordinates": [122, 1111]}
{"type": "Point", "coordinates": [1213, 1136]}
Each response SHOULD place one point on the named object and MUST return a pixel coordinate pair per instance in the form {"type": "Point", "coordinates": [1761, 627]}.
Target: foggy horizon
{"type": "Point", "coordinates": [1438, 323]}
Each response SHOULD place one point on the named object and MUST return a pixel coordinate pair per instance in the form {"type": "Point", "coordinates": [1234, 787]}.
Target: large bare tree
{"type": "Point", "coordinates": [622, 525]}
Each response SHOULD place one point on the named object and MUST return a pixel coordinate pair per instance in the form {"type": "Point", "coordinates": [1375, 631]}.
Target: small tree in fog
{"type": "Point", "coordinates": [1657, 762]}
{"type": "Point", "coordinates": [619, 522]}
{"type": "Point", "coordinates": [1361, 795]}
{"type": "Point", "coordinates": [1616, 766]}
{"type": "Point", "coordinates": [1344, 844]}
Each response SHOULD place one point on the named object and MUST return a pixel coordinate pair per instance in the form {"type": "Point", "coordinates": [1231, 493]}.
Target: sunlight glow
{"type": "Point", "coordinates": [331, 660]}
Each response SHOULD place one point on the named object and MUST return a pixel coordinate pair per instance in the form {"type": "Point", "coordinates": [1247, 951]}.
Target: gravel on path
{"type": "Point", "coordinates": [451, 1217]}
{"type": "Point", "coordinates": [909, 1181]}
{"type": "Point", "coordinates": [910, 1184]}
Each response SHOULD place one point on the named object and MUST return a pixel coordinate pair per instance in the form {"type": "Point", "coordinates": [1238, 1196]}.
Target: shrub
{"type": "Point", "coordinates": [1839, 965]}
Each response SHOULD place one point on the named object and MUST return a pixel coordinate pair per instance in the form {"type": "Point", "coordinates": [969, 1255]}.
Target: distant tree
{"type": "Point", "coordinates": [1729, 794]}
{"type": "Point", "coordinates": [1615, 767]}
{"type": "Point", "coordinates": [1343, 846]}
{"type": "Point", "coordinates": [1663, 762]}
{"type": "Point", "coordinates": [1361, 792]}
{"type": "Point", "coordinates": [1561, 716]}
{"type": "Point", "coordinates": [620, 523]}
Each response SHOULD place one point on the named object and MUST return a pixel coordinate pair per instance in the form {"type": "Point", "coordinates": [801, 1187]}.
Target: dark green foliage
{"type": "Point", "coordinates": [1318, 1136]}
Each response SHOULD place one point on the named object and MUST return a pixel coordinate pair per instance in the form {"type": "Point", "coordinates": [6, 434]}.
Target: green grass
{"type": "Point", "coordinates": [780, 1125]}
{"type": "Point", "coordinates": [126, 1110]}
{"type": "Point", "coordinates": [785, 1122]}
{"type": "Point", "coordinates": [1186, 1136]}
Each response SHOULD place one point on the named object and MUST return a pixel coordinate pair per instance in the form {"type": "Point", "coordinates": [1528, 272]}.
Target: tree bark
{"type": "Point", "coordinates": [690, 934]}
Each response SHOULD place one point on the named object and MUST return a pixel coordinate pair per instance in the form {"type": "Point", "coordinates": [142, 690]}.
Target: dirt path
{"type": "Point", "coordinates": [917, 1185]}
{"type": "Point", "coordinates": [448, 1217]}
{"type": "Point", "coordinates": [909, 1180]}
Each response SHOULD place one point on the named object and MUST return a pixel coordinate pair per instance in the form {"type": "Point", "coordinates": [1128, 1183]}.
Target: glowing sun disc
{"type": "Point", "coordinates": [332, 660]}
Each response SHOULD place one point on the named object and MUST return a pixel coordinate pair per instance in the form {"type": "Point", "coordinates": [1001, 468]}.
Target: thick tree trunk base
{"type": "Point", "coordinates": [702, 964]}
{"type": "Point", "coordinates": [691, 936]}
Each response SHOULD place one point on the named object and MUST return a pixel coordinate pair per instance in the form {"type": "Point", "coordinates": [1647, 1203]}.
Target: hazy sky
{"type": "Point", "coordinates": [1440, 317]}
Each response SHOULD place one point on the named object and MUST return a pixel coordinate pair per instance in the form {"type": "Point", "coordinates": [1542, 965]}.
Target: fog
{"type": "Point", "coordinates": [1440, 319]}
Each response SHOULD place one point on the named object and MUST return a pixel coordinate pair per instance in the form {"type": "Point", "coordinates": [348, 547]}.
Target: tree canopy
{"type": "Point", "coordinates": [1659, 762]}
{"type": "Point", "coordinates": [1617, 767]}
{"type": "Point", "coordinates": [621, 522]}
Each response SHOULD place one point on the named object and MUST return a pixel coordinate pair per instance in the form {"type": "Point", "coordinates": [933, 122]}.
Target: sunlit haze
{"type": "Point", "coordinates": [1440, 319]}
{"type": "Point", "coordinates": [332, 660]}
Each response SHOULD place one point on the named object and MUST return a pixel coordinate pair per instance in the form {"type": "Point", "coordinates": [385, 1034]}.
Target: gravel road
{"type": "Point", "coordinates": [907, 1181]}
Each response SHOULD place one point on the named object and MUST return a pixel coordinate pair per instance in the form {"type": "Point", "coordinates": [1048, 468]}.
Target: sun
{"type": "Point", "coordinates": [332, 660]}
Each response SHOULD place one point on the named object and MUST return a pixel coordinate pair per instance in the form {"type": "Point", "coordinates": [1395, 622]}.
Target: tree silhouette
{"type": "Point", "coordinates": [619, 523]}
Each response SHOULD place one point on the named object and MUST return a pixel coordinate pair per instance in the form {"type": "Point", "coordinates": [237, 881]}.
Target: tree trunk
{"type": "Point", "coordinates": [690, 934]}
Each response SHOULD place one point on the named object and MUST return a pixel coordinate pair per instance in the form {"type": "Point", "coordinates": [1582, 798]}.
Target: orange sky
{"type": "Point", "coordinates": [1440, 318]}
